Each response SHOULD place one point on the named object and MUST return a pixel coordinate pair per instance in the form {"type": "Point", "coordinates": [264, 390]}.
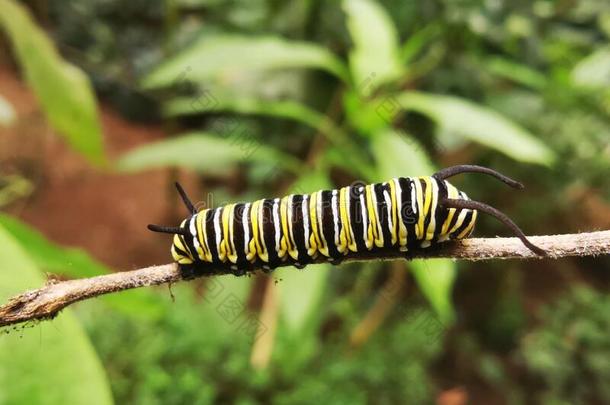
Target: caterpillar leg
{"type": "Point", "coordinates": [192, 271]}
{"type": "Point", "coordinates": [237, 271]}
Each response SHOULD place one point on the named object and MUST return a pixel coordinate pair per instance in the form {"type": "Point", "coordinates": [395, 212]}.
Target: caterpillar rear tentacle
{"type": "Point", "coordinates": [455, 170]}
{"type": "Point", "coordinates": [406, 214]}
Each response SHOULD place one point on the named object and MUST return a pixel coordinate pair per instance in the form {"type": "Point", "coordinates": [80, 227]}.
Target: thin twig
{"type": "Point", "coordinates": [46, 302]}
{"type": "Point", "coordinates": [386, 300]}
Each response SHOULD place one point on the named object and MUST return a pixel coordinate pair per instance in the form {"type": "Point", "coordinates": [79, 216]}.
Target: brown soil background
{"type": "Point", "coordinates": [75, 204]}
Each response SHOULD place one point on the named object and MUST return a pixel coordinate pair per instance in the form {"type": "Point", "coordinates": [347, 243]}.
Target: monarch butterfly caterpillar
{"type": "Point", "coordinates": [405, 213]}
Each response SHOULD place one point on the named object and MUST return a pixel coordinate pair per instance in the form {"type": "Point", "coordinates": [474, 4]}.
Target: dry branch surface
{"type": "Point", "coordinates": [47, 301]}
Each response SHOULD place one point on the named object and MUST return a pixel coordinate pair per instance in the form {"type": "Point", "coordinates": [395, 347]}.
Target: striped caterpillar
{"type": "Point", "coordinates": [406, 213]}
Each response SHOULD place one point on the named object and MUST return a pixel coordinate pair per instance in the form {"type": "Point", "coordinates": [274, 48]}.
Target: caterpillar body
{"type": "Point", "coordinates": [405, 213]}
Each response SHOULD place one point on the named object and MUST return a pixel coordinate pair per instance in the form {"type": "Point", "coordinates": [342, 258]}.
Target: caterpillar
{"type": "Point", "coordinates": [405, 213]}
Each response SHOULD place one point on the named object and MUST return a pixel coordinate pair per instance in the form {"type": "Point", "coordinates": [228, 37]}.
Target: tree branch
{"type": "Point", "coordinates": [46, 302]}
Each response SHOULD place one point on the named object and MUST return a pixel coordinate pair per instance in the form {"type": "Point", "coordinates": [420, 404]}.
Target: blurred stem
{"type": "Point", "coordinates": [171, 19]}
{"type": "Point", "coordinates": [426, 63]}
{"type": "Point", "coordinates": [364, 282]}
{"type": "Point", "coordinates": [41, 10]}
{"type": "Point", "coordinates": [263, 346]}
{"type": "Point", "coordinates": [386, 300]}
{"type": "Point", "coordinates": [313, 8]}
{"type": "Point", "coordinates": [318, 144]}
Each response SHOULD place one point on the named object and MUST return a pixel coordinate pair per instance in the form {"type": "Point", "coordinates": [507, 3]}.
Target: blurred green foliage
{"type": "Point", "coordinates": [62, 89]}
{"type": "Point", "coordinates": [195, 356]}
{"type": "Point", "coordinates": [41, 367]}
{"type": "Point", "coordinates": [310, 94]}
{"type": "Point", "coordinates": [569, 351]}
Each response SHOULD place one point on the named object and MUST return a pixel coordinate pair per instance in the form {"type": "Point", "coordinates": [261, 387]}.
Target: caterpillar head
{"type": "Point", "coordinates": [459, 222]}
{"type": "Point", "coordinates": [463, 204]}
{"type": "Point", "coordinates": [181, 249]}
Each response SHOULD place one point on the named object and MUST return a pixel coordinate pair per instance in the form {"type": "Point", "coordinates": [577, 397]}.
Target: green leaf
{"type": "Point", "coordinates": [221, 57]}
{"type": "Point", "coordinates": [301, 294]}
{"type": "Point", "coordinates": [516, 72]}
{"type": "Point", "coordinates": [72, 262]}
{"type": "Point", "coordinates": [54, 363]}
{"type": "Point", "coordinates": [375, 58]}
{"type": "Point", "coordinates": [594, 70]}
{"type": "Point", "coordinates": [417, 41]}
{"type": "Point", "coordinates": [435, 278]}
{"type": "Point", "coordinates": [365, 115]}
{"type": "Point", "coordinates": [351, 156]}
{"type": "Point", "coordinates": [282, 109]}
{"type": "Point", "coordinates": [479, 124]}
{"type": "Point", "coordinates": [310, 182]}
{"type": "Point", "coordinates": [399, 155]}
{"type": "Point", "coordinates": [62, 89]}
{"type": "Point", "coordinates": [49, 257]}
{"type": "Point", "coordinates": [204, 152]}
{"type": "Point", "coordinates": [7, 113]}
